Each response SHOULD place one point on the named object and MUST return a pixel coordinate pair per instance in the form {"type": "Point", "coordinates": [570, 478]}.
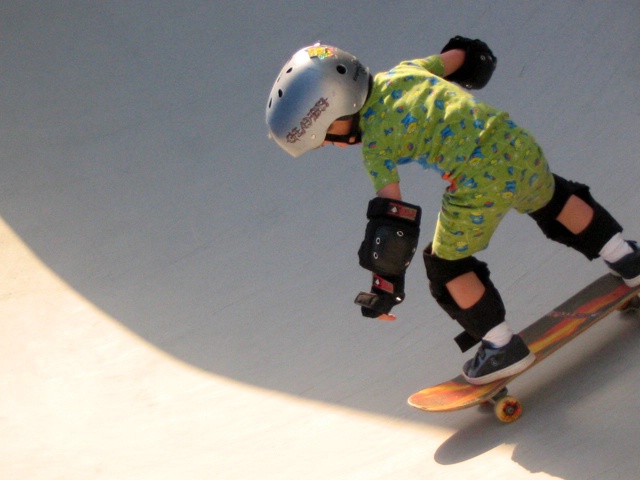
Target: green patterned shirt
{"type": "Point", "coordinates": [414, 115]}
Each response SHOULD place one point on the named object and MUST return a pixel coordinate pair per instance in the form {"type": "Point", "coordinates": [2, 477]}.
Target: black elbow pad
{"type": "Point", "coordinates": [479, 63]}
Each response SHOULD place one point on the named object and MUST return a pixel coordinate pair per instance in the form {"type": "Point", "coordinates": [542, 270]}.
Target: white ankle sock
{"type": "Point", "coordinates": [499, 335]}
{"type": "Point", "coordinates": [615, 249]}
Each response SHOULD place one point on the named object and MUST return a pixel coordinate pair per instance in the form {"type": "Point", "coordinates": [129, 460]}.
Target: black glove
{"type": "Point", "coordinates": [479, 62]}
{"type": "Point", "coordinates": [386, 293]}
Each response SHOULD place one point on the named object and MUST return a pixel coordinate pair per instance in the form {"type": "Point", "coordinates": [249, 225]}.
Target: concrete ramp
{"type": "Point", "coordinates": [176, 294]}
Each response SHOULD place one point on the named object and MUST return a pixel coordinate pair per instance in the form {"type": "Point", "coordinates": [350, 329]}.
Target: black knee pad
{"type": "Point", "coordinates": [477, 320]}
{"type": "Point", "coordinates": [592, 239]}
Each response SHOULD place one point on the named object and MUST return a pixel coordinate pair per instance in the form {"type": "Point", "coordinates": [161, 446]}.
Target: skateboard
{"type": "Point", "coordinates": [544, 336]}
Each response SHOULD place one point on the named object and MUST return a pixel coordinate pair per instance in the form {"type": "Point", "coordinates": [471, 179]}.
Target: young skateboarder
{"type": "Point", "coordinates": [421, 112]}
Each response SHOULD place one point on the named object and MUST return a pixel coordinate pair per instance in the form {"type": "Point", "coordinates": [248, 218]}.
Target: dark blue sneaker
{"type": "Point", "coordinates": [628, 267]}
{"type": "Point", "coordinates": [492, 363]}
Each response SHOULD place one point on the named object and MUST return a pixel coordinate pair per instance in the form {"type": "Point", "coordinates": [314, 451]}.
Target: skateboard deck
{"type": "Point", "coordinates": [544, 336]}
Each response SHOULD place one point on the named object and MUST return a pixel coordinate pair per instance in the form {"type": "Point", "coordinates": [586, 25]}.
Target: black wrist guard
{"type": "Point", "coordinates": [479, 62]}
{"type": "Point", "coordinates": [391, 237]}
{"type": "Point", "coordinates": [386, 293]}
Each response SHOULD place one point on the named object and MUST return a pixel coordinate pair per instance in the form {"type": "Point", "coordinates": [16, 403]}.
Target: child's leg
{"type": "Point", "coordinates": [463, 288]}
{"type": "Point", "coordinates": [572, 217]}
{"type": "Point", "coordinates": [459, 282]}
{"type": "Point", "coordinates": [576, 215]}
{"type": "Point", "coordinates": [467, 290]}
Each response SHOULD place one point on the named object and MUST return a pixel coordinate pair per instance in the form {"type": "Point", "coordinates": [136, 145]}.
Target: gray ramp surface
{"type": "Point", "coordinates": [176, 296]}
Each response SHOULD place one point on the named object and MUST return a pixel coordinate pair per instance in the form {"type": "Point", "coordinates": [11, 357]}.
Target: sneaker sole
{"type": "Point", "coordinates": [511, 370]}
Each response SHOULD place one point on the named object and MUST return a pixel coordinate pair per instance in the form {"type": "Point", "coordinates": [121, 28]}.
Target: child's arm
{"type": "Point", "coordinates": [474, 68]}
{"type": "Point", "coordinates": [453, 60]}
{"type": "Point", "coordinates": [391, 191]}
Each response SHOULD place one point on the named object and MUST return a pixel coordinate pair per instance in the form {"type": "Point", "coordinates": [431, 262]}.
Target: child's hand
{"type": "Point", "coordinates": [388, 317]}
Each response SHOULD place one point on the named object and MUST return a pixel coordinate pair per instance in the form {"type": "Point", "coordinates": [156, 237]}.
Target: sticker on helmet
{"type": "Point", "coordinates": [320, 51]}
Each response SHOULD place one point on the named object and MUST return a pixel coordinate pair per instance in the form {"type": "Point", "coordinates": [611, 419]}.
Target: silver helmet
{"type": "Point", "coordinates": [318, 85]}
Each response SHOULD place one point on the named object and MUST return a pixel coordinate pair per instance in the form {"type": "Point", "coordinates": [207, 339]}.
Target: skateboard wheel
{"type": "Point", "coordinates": [508, 409]}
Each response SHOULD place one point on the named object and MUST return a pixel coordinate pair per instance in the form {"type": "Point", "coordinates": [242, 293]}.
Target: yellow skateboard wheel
{"type": "Point", "coordinates": [508, 409]}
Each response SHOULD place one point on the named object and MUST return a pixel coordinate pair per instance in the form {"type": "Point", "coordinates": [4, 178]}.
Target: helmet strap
{"type": "Point", "coordinates": [351, 138]}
